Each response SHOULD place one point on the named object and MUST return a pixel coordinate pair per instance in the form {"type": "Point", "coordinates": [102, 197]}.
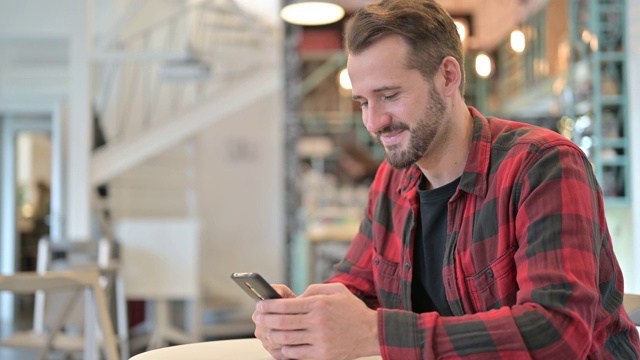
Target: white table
{"type": "Point", "coordinates": [241, 349]}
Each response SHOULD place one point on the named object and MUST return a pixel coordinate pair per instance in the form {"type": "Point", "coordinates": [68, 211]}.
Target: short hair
{"type": "Point", "coordinates": [424, 25]}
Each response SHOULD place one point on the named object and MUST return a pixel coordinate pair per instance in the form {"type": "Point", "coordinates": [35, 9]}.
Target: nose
{"type": "Point", "coordinates": [375, 118]}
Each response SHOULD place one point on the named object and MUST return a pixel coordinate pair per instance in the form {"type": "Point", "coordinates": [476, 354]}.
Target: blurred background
{"type": "Point", "coordinates": [206, 137]}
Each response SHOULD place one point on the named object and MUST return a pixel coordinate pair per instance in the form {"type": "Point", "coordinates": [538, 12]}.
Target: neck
{"type": "Point", "coordinates": [446, 163]}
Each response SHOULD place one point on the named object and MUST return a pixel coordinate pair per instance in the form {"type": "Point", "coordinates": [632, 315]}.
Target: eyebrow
{"type": "Point", "coordinates": [377, 90]}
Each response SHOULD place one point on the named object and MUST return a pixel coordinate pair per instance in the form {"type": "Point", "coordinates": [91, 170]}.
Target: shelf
{"type": "Point", "coordinates": [620, 143]}
{"type": "Point", "coordinates": [612, 100]}
{"type": "Point", "coordinates": [601, 70]}
{"type": "Point", "coordinates": [610, 56]}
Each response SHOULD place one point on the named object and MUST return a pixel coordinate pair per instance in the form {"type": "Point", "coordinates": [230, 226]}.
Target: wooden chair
{"type": "Point", "coordinates": [101, 255]}
{"type": "Point", "coordinates": [76, 282]}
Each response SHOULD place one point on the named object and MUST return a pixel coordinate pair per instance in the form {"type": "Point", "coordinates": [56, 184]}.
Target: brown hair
{"type": "Point", "coordinates": [425, 26]}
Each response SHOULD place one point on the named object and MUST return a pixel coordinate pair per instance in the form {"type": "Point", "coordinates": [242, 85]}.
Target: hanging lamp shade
{"type": "Point", "coordinates": [312, 13]}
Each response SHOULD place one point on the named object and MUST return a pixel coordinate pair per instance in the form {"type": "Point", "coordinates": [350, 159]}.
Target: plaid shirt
{"type": "Point", "coordinates": [529, 268]}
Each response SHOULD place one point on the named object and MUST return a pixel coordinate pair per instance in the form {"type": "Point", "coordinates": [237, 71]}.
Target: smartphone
{"type": "Point", "coordinates": [255, 286]}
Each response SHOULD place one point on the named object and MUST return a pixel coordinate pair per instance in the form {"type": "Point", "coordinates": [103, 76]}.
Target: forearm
{"type": "Point", "coordinates": [521, 332]}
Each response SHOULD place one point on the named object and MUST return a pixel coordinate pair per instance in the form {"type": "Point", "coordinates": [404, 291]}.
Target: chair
{"type": "Point", "coordinates": [160, 264]}
{"type": "Point", "coordinates": [74, 281]}
{"type": "Point", "coordinates": [101, 254]}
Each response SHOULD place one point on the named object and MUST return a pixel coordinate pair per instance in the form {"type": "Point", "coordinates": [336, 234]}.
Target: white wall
{"type": "Point", "coordinates": [241, 197]}
{"type": "Point", "coordinates": [631, 254]}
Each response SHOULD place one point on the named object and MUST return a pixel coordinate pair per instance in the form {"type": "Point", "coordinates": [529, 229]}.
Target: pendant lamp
{"type": "Point", "coordinates": [311, 13]}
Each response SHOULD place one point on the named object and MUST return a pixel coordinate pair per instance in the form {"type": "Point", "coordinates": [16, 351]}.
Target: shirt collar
{"type": "Point", "coordinates": [476, 170]}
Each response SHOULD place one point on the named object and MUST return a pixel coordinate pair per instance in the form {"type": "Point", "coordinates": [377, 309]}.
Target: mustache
{"type": "Point", "coordinates": [397, 126]}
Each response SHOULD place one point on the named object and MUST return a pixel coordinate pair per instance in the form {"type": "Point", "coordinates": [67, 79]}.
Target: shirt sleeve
{"type": "Point", "coordinates": [355, 270]}
{"type": "Point", "coordinates": [570, 285]}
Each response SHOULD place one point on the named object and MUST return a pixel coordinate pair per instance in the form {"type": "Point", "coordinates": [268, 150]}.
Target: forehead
{"type": "Point", "coordinates": [381, 64]}
{"type": "Point", "coordinates": [390, 50]}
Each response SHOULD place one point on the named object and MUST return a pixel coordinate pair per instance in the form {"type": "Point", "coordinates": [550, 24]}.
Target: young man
{"type": "Point", "coordinates": [482, 238]}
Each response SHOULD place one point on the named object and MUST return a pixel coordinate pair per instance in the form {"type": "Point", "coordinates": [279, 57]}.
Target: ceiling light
{"type": "Point", "coordinates": [344, 80]}
{"type": "Point", "coordinates": [311, 13]}
{"type": "Point", "coordinates": [483, 65]}
{"type": "Point", "coordinates": [461, 26]}
{"type": "Point", "coordinates": [517, 41]}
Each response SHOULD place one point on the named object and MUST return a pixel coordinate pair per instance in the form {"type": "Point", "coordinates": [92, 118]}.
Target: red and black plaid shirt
{"type": "Point", "coordinates": [529, 268]}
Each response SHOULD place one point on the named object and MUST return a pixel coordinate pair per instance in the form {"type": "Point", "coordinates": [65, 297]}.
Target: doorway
{"type": "Point", "coordinates": [25, 197]}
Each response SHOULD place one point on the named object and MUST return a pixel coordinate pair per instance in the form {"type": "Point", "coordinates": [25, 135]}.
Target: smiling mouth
{"type": "Point", "coordinates": [391, 134]}
{"type": "Point", "coordinates": [391, 137]}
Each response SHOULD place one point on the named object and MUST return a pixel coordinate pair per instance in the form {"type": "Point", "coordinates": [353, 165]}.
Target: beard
{"type": "Point", "coordinates": [422, 136]}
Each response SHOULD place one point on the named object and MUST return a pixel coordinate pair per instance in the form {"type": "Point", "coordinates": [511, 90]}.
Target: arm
{"type": "Point", "coordinates": [355, 269]}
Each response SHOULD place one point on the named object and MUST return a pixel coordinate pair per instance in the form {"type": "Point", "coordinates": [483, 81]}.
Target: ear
{"type": "Point", "coordinates": [450, 72]}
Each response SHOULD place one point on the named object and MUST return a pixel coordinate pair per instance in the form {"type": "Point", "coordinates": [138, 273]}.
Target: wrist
{"type": "Point", "coordinates": [372, 344]}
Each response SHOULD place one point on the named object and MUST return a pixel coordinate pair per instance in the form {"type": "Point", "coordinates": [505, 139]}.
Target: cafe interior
{"type": "Point", "coordinates": [151, 148]}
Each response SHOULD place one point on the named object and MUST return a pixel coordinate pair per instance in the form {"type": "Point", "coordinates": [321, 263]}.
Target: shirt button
{"type": "Point", "coordinates": [407, 266]}
{"type": "Point", "coordinates": [490, 273]}
{"type": "Point", "coordinates": [376, 261]}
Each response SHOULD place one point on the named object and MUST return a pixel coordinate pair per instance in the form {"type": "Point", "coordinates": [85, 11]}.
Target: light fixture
{"type": "Point", "coordinates": [483, 65]}
{"type": "Point", "coordinates": [461, 26]}
{"type": "Point", "coordinates": [517, 41]}
{"type": "Point", "coordinates": [311, 13]}
{"type": "Point", "coordinates": [344, 80]}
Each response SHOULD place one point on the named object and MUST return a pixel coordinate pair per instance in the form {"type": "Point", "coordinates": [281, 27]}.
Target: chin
{"type": "Point", "coordinates": [399, 162]}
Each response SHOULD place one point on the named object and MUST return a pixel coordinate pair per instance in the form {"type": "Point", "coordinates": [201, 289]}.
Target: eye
{"type": "Point", "coordinates": [363, 104]}
{"type": "Point", "coordinates": [390, 97]}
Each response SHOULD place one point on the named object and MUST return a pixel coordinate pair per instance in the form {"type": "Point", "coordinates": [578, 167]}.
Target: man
{"type": "Point", "coordinates": [482, 238]}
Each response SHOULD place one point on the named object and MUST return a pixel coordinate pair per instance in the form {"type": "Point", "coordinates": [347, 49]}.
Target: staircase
{"type": "Point", "coordinates": [166, 82]}
{"type": "Point", "coordinates": [160, 87]}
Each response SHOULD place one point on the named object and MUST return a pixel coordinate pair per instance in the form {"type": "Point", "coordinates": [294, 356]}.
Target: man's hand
{"type": "Point", "coordinates": [261, 332]}
{"type": "Point", "coordinates": [326, 322]}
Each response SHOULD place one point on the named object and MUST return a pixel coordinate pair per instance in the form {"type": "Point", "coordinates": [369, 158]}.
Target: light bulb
{"type": "Point", "coordinates": [483, 65]}
{"type": "Point", "coordinates": [345, 81]}
{"type": "Point", "coordinates": [517, 41]}
{"type": "Point", "coordinates": [462, 29]}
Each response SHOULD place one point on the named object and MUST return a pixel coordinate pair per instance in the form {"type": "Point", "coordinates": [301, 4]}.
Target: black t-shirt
{"type": "Point", "coordinates": [428, 287]}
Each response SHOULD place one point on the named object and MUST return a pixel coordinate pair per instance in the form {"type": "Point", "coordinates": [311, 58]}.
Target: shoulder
{"type": "Point", "coordinates": [508, 134]}
{"type": "Point", "coordinates": [526, 144]}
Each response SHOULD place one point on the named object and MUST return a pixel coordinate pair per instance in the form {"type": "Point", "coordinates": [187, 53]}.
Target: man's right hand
{"type": "Point", "coordinates": [262, 333]}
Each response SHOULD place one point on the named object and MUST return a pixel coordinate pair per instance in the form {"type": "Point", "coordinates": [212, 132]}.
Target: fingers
{"type": "Point", "coordinates": [274, 348]}
{"type": "Point", "coordinates": [284, 291]}
{"type": "Point", "coordinates": [289, 337]}
{"type": "Point", "coordinates": [284, 306]}
{"type": "Point", "coordinates": [297, 351]}
{"type": "Point", "coordinates": [280, 321]}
